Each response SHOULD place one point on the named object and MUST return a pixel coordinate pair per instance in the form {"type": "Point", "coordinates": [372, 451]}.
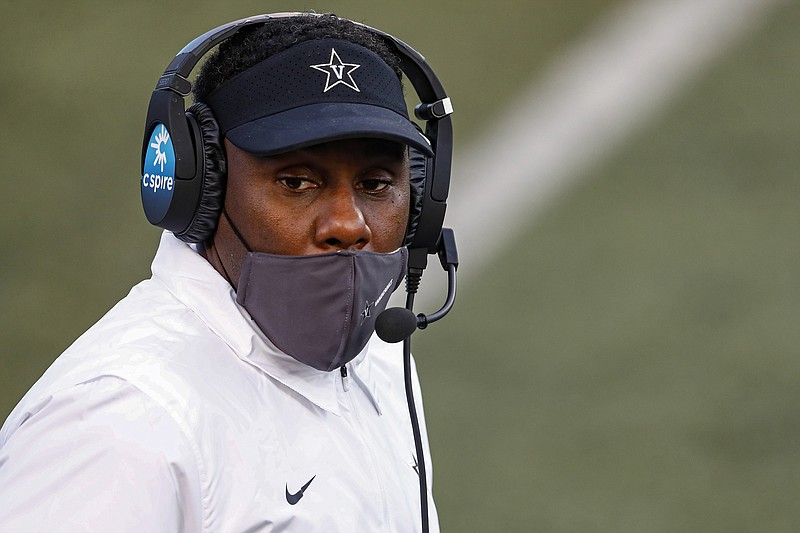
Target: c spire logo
{"type": "Point", "coordinates": [158, 180]}
{"type": "Point", "coordinates": [336, 67]}
{"type": "Point", "coordinates": [161, 138]}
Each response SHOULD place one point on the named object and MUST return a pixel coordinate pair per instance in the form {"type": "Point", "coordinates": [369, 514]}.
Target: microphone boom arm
{"type": "Point", "coordinates": [448, 257]}
{"type": "Point", "coordinates": [423, 320]}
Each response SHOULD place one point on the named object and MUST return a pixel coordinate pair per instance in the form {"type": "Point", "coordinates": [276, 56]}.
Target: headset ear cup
{"type": "Point", "coordinates": [417, 165]}
{"type": "Point", "coordinates": [214, 167]}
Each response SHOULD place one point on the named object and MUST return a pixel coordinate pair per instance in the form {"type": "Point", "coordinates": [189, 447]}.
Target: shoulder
{"type": "Point", "coordinates": [138, 332]}
{"type": "Point", "coordinates": [103, 407]}
{"type": "Point", "coordinates": [79, 453]}
{"type": "Point", "coordinates": [154, 344]}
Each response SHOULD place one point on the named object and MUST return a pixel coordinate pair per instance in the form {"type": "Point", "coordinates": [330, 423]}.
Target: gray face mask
{"type": "Point", "coordinates": [319, 309]}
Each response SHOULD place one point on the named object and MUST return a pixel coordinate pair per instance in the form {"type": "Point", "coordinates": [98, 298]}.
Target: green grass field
{"type": "Point", "coordinates": [629, 364]}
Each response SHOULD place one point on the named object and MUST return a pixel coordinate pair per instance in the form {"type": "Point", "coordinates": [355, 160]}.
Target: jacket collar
{"type": "Point", "coordinates": [193, 281]}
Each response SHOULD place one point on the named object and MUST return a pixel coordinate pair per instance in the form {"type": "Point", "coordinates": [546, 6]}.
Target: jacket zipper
{"type": "Point", "coordinates": [345, 379]}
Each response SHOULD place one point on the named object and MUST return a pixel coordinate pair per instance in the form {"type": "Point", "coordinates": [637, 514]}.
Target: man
{"type": "Point", "coordinates": [240, 388]}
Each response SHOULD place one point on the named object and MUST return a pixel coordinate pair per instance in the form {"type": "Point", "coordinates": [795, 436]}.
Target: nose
{"type": "Point", "coordinates": [341, 224]}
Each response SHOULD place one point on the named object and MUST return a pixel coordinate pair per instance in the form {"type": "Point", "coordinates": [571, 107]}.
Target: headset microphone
{"type": "Point", "coordinates": [398, 323]}
{"type": "Point", "coordinates": [395, 324]}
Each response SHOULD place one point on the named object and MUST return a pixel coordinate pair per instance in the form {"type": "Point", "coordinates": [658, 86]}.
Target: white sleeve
{"type": "Point", "coordinates": [101, 456]}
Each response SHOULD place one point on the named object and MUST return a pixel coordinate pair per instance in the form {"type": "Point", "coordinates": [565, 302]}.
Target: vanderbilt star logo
{"type": "Point", "coordinates": [341, 71]}
{"type": "Point", "coordinates": [292, 499]}
{"type": "Point", "coordinates": [367, 312]}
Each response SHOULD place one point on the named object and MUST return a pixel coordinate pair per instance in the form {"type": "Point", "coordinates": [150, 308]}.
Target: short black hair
{"type": "Point", "coordinates": [253, 45]}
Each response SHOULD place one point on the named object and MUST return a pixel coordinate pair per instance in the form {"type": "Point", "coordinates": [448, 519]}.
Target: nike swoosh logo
{"type": "Point", "coordinates": [294, 498]}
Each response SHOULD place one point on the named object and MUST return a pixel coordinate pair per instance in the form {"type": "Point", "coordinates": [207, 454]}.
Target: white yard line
{"type": "Point", "coordinates": [608, 84]}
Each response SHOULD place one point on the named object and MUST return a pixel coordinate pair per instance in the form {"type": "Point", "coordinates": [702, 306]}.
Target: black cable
{"type": "Point", "coordinates": [412, 411]}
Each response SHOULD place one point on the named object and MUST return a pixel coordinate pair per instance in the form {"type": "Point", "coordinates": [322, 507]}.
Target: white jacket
{"type": "Point", "coordinates": [174, 414]}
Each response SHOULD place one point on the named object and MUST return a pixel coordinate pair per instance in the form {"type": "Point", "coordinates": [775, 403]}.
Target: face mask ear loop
{"type": "Point", "coordinates": [238, 236]}
{"type": "Point", "coordinates": [236, 230]}
{"type": "Point", "coordinates": [224, 270]}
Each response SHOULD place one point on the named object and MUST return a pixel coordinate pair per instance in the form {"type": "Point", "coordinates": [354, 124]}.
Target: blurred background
{"type": "Point", "coordinates": [621, 357]}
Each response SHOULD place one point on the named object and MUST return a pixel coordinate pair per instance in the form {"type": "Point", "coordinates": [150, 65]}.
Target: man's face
{"type": "Point", "coordinates": [341, 195]}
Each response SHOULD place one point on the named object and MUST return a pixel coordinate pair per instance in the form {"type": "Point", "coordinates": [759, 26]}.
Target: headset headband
{"type": "Point", "coordinates": [167, 107]}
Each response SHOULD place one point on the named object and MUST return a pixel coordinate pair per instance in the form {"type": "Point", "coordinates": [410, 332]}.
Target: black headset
{"type": "Point", "coordinates": [189, 201]}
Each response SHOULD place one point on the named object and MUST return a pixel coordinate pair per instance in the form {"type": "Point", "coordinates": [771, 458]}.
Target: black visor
{"type": "Point", "coordinates": [314, 92]}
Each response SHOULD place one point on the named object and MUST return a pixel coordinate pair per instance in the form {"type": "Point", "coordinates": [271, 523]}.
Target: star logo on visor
{"type": "Point", "coordinates": [338, 72]}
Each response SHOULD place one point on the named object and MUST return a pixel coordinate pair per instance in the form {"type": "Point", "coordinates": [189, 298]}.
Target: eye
{"type": "Point", "coordinates": [375, 184]}
{"type": "Point", "coordinates": [296, 183]}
